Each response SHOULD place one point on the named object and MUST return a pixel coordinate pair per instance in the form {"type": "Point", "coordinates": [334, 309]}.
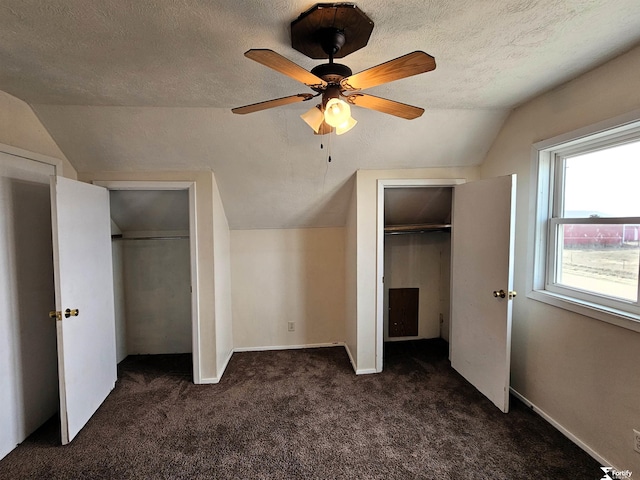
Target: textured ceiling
{"type": "Point", "coordinates": [148, 85]}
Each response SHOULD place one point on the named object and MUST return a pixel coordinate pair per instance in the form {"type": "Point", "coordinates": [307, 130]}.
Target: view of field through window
{"type": "Point", "coordinates": [610, 270]}
{"type": "Point", "coordinates": [602, 258]}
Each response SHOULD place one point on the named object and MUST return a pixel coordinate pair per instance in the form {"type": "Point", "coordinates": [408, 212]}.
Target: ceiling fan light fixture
{"type": "Point", "coordinates": [336, 112]}
{"type": "Point", "coordinates": [346, 126]}
{"type": "Point", "coordinates": [314, 118]}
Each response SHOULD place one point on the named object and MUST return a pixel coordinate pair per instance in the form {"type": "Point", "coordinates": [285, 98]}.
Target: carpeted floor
{"type": "Point", "coordinates": [303, 414]}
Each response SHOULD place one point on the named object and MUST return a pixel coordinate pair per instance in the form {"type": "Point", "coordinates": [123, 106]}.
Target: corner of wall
{"type": "Point", "coordinates": [20, 127]}
{"type": "Point", "coordinates": [222, 280]}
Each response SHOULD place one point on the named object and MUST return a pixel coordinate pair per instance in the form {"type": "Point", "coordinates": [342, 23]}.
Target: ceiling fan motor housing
{"type": "Point", "coordinates": [331, 73]}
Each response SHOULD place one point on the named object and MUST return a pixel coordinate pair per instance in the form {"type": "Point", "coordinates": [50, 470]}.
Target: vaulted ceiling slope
{"type": "Point", "coordinates": [148, 85]}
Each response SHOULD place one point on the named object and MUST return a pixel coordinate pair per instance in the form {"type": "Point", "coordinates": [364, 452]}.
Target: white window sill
{"type": "Point", "coordinates": [610, 315]}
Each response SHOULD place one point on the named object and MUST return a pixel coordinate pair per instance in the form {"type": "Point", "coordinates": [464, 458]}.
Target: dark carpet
{"type": "Point", "coordinates": [303, 414]}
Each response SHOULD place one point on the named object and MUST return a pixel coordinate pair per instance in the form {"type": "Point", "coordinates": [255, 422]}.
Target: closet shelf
{"type": "Point", "coordinates": [418, 228]}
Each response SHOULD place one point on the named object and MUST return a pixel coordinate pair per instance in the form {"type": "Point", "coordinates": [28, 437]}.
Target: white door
{"type": "Point", "coordinates": [83, 282]}
{"type": "Point", "coordinates": [482, 262]}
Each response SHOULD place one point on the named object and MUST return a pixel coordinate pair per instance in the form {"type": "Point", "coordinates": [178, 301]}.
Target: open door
{"type": "Point", "coordinates": [482, 284]}
{"type": "Point", "coordinates": [85, 323]}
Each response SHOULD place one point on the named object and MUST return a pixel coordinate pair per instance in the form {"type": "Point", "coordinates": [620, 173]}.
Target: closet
{"type": "Point", "coordinates": [417, 261]}
{"type": "Point", "coordinates": [151, 271]}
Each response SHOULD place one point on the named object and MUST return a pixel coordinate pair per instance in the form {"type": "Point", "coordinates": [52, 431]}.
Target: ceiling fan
{"type": "Point", "coordinates": [334, 30]}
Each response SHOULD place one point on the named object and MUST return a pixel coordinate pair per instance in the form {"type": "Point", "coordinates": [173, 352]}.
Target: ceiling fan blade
{"type": "Point", "coordinates": [383, 105]}
{"type": "Point", "coordinates": [401, 67]}
{"type": "Point", "coordinates": [277, 102]}
{"type": "Point", "coordinates": [277, 62]}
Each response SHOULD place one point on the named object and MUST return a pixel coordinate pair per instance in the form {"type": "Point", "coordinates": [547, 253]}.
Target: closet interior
{"type": "Point", "coordinates": [417, 262]}
{"type": "Point", "coordinates": [151, 271]}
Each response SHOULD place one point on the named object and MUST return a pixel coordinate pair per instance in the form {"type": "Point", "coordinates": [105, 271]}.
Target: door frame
{"type": "Point", "coordinates": [56, 163]}
{"type": "Point", "coordinates": [193, 250]}
{"type": "Point", "coordinates": [382, 185]}
{"type": "Point", "coordinates": [24, 424]}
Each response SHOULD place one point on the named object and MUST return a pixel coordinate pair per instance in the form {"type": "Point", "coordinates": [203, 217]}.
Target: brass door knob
{"type": "Point", "coordinates": [71, 313]}
{"type": "Point", "coordinates": [502, 294]}
{"type": "Point", "coordinates": [55, 314]}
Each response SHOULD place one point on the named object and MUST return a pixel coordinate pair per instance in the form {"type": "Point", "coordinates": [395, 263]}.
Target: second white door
{"type": "Point", "coordinates": [84, 297]}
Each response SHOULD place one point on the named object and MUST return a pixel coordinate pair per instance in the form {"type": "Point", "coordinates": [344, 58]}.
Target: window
{"type": "Point", "coordinates": [587, 245]}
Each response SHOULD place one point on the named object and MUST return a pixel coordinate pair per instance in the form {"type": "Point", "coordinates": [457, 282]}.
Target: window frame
{"type": "Point", "coordinates": [548, 158]}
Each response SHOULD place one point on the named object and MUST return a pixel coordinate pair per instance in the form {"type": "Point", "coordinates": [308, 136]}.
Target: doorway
{"type": "Point", "coordinates": [482, 234]}
{"type": "Point", "coordinates": [155, 268]}
{"type": "Point", "coordinates": [28, 364]}
{"type": "Point", "coordinates": [417, 260]}
{"type": "Point", "coordinates": [151, 271]}
{"type": "Point", "coordinates": [414, 251]}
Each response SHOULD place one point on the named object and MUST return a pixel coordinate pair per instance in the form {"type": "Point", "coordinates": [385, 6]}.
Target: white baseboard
{"type": "Point", "coordinates": [287, 347]}
{"type": "Point", "coordinates": [214, 380]}
{"type": "Point", "coordinates": [209, 380]}
{"type": "Point", "coordinates": [362, 371]}
{"type": "Point", "coordinates": [595, 455]}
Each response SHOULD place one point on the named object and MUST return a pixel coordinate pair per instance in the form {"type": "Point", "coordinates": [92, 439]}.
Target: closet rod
{"type": "Point", "coordinates": [420, 228]}
{"type": "Point", "coordinates": [175, 237]}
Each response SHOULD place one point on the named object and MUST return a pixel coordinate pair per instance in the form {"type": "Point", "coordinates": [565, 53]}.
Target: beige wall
{"type": "Point", "coordinates": [289, 275]}
{"type": "Point", "coordinates": [157, 305]}
{"type": "Point", "coordinates": [419, 261]}
{"type": "Point", "coordinates": [585, 374]}
{"type": "Point", "coordinates": [19, 127]}
{"type": "Point", "coordinates": [206, 202]}
{"type": "Point", "coordinates": [366, 200]}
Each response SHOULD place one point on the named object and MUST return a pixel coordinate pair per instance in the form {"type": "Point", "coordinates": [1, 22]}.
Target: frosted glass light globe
{"type": "Point", "coordinates": [336, 112]}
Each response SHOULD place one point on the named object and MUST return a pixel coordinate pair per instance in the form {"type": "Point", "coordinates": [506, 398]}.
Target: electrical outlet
{"type": "Point", "coordinates": [636, 440]}
{"type": "Point", "coordinates": [291, 326]}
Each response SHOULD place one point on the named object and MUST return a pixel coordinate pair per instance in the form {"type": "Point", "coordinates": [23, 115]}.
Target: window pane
{"type": "Point", "coordinates": [603, 259]}
{"type": "Point", "coordinates": [603, 183]}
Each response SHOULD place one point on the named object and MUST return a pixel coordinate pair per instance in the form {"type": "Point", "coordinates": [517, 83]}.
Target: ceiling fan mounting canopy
{"type": "Point", "coordinates": [324, 26]}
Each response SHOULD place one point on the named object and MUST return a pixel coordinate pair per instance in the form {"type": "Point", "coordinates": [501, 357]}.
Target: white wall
{"type": "Point", "coordinates": [351, 278]}
{"type": "Point", "coordinates": [157, 280]}
{"type": "Point", "coordinates": [582, 372]}
{"type": "Point", "coordinates": [366, 201]}
{"type": "Point", "coordinates": [222, 282]}
{"type": "Point", "coordinates": [281, 276]}
{"type": "Point", "coordinates": [28, 374]}
{"type": "Point", "coordinates": [417, 261]}
{"type": "Point", "coordinates": [118, 296]}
